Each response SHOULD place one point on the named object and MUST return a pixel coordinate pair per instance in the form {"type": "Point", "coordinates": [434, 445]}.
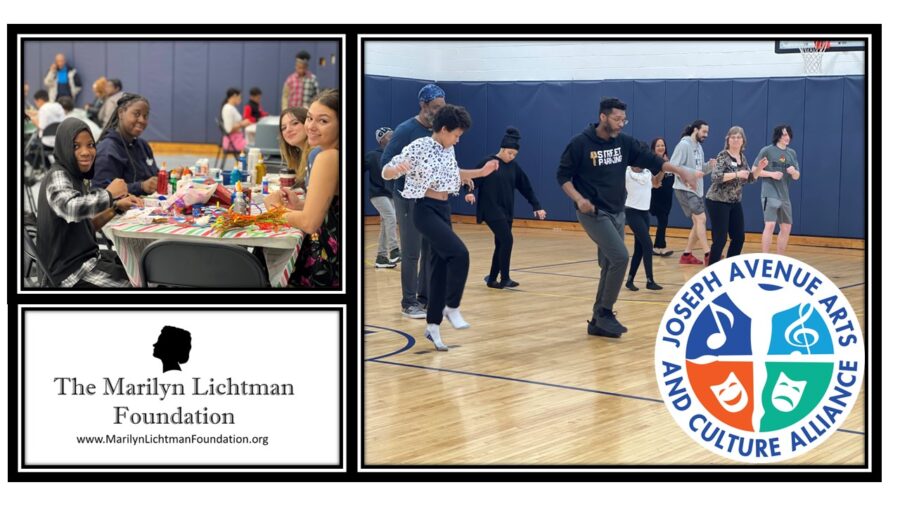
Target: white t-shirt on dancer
{"type": "Point", "coordinates": [638, 186]}
{"type": "Point", "coordinates": [432, 167]}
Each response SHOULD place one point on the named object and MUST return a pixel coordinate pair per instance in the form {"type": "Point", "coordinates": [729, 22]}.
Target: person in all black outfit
{"type": "Point", "coordinates": [496, 196]}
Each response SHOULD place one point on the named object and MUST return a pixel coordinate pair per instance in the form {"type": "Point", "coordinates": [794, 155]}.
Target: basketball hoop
{"type": "Point", "coordinates": [812, 56]}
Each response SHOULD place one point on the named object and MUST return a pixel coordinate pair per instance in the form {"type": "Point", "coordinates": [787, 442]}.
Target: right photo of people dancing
{"type": "Point", "coordinates": [549, 199]}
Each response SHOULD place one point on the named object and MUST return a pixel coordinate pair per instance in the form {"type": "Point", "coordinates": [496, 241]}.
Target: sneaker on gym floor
{"type": "Point", "coordinates": [597, 331]}
{"type": "Point", "coordinates": [509, 283]}
{"type": "Point", "coordinates": [394, 255]}
{"type": "Point", "coordinates": [414, 312]}
{"type": "Point", "coordinates": [610, 324]}
{"type": "Point", "coordinates": [491, 283]}
{"type": "Point", "coordinates": [382, 262]}
{"type": "Point", "coordinates": [689, 259]}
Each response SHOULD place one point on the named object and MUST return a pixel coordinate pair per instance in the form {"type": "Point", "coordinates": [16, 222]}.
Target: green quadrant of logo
{"type": "Point", "coordinates": [817, 377]}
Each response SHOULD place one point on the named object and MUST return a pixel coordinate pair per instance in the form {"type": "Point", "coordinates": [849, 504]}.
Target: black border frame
{"type": "Point", "coordinates": [137, 36]}
{"type": "Point", "coordinates": [810, 473]}
{"type": "Point", "coordinates": [18, 468]}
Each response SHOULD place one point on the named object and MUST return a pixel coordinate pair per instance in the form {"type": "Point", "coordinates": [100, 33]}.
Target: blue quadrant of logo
{"type": "Point", "coordinates": [721, 316]}
{"type": "Point", "coordinates": [800, 329]}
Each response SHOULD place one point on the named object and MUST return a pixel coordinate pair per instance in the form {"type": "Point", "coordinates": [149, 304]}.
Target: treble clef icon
{"type": "Point", "coordinates": [797, 335]}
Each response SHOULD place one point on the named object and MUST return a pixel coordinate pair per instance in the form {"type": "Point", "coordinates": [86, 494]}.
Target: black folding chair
{"type": "Point", "coordinates": [32, 264]}
{"type": "Point", "coordinates": [184, 264]}
{"type": "Point", "coordinates": [44, 153]}
{"type": "Point", "coordinates": [226, 149]}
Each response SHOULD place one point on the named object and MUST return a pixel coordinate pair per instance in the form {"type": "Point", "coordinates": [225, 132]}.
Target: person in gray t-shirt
{"type": "Point", "coordinates": [689, 155]}
{"type": "Point", "coordinates": [777, 165]}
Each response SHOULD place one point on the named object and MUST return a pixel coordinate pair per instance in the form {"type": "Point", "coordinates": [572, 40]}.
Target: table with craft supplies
{"type": "Point", "coordinates": [132, 232]}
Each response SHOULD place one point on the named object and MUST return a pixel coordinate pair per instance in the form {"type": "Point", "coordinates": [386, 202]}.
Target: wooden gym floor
{"type": "Point", "coordinates": [526, 384]}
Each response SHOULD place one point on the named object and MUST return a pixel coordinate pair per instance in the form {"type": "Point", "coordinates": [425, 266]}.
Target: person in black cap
{"type": "Point", "coordinates": [496, 196]}
{"type": "Point", "coordinates": [380, 196]}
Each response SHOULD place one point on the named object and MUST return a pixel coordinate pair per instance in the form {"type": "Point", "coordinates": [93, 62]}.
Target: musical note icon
{"type": "Point", "coordinates": [717, 339]}
{"type": "Point", "coordinates": [797, 335]}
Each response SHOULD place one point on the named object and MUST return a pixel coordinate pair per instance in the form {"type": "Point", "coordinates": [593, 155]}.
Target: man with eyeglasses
{"type": "Point", "coordinates": [592, 173]}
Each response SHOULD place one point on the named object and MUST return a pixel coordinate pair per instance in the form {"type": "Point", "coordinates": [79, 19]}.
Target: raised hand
{"type": "Point", "coordinates": [489, 167]}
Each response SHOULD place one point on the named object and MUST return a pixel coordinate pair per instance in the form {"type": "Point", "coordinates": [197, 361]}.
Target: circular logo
{"type": "Point", "coordinates": [759, 358]}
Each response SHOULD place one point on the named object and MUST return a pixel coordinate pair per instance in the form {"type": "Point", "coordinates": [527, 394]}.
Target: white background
{"type": "Point", "coordinates": [530, 492]}
{"type": "Point", "coordinates": [539, 60]}
{"type": "Point", "coordinates": [303, 429]}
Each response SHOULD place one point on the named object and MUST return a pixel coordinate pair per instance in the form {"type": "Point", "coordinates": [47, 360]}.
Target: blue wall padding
{"type": "Point", "coordinates": [826, 114]}
{"type": "Point", "coordinates": [185, 81]}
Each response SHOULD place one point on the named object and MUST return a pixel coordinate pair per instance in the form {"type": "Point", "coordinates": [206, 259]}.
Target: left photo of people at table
{"type": "Point", "coordinates": [181, 163]}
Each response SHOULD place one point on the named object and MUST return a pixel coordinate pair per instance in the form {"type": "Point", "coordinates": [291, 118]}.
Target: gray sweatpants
{"type": "Point", "coordinates": [413, 250]}
{"type": "Point", "coordinates": [607, 230]}
{"type": "Point", "coordinates": [387, 237]}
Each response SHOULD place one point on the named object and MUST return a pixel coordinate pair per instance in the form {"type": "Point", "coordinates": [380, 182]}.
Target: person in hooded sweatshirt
{"type": "Point", "coordinates": [592, 173]}
{"type": "Point", "coordinates": [496, 196]}
{"type": "Point", "coordinates": [69, 214]}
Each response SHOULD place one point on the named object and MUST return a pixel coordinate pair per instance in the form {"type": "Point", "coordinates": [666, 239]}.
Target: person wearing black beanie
{"type": "Point", "coordinates": [496, 196]}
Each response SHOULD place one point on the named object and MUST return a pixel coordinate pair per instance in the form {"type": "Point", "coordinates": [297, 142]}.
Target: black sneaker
{"type": "Point", "coordinates": [610, 324]}
{"type": "Point", "coordinates": [651, 285]}
{"type": "Point", "coordinates": [394, 255]}
{"type": "Point", "coordinates": [597, 331]}
{"type": "Point", "coordinates": [509, 284]}
{"type": "Point", "coordinates": [491, 283]}
{"type": "Point", "coordinates": [629, 284]}
{"type": "Point", "coordinates": [382, 262]}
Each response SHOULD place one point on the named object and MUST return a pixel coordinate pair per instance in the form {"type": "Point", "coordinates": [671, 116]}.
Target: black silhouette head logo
{"type": "Point", "coordinates": [173, 347]}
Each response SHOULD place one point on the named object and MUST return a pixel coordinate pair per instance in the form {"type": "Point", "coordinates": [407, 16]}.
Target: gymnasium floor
{"type": "Point", "coordinates": [526, 384]}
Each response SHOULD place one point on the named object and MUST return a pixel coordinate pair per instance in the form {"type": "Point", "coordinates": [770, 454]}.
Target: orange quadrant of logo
{"type": "Point", "coordinates": [704, 377]}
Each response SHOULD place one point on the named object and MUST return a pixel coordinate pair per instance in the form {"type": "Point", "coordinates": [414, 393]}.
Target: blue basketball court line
{"type": "Point", "coordinates": [411, 341]}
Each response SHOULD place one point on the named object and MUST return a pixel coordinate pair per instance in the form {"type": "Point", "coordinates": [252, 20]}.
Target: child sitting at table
{"type": "Point", "coordinates": [68, 214]}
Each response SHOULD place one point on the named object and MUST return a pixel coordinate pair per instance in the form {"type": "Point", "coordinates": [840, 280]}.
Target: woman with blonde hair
{"type": "Point", "coordinates": [294, 142]}
{"type": "Point", "coordinates": [319, 214]}
{"type": "Point", "coordinates": [723, 200]}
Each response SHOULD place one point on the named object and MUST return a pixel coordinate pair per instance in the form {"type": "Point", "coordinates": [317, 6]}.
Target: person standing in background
{"type": "Point", "coordinates": [301, 86]}
{"type": "Point", "coordinates": [62, 80]}
{"type": "Point", "coordinates": [380, 195]}
{"type": "Point", "coordinates": [661, 199]}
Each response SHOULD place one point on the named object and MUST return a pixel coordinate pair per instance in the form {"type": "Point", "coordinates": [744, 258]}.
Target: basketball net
{"type": "Point", "coordinates": [812, 56]}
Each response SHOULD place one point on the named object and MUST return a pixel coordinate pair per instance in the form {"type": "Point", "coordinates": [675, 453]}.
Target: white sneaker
{"type": "Point", "coordinates": [433, 334]}
{"type": "Point", "coordinates": [455, 317]}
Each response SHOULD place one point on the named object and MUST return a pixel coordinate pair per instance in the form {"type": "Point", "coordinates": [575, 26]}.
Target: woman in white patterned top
{"type": "Point", "coordinates": [432, 173]}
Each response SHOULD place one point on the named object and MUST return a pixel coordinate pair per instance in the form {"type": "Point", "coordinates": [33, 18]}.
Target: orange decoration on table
{"type": "Point", "coordinates": [271, 220]}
